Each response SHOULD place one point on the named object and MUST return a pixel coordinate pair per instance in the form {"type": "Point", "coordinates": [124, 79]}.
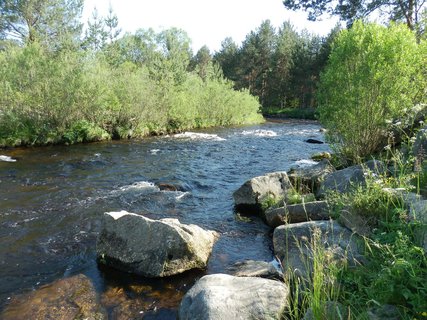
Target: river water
{"type": "Point", "coordinates": [52, 200]}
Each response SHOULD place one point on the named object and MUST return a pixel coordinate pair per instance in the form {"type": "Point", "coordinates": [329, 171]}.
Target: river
{"type": "Point", "coordinates": [52, 199]}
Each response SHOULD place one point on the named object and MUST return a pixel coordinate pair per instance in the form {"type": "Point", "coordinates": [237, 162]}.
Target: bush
{"type": "Point", "coordinates": [374, 75]}
{"type": "Point", "coordinates": [71, 97]}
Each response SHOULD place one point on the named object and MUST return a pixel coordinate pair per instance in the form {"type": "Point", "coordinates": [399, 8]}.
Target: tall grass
{"type": "Point", "coordinates": [317, 289]}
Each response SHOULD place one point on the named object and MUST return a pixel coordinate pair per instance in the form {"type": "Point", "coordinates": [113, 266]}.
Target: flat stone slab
{"type": "Point", "coordinates": [316, 210]}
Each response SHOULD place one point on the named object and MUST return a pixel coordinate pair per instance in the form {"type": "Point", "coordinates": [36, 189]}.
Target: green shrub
{"type": "Point", "coordinates": [374, 75]}
{"type": "Point", "coordinates": [76, 97]}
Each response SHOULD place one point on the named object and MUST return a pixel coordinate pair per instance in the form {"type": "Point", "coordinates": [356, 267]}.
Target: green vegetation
{"type": "Point", "coordinates": [281, 67]}
{"type": "Point", "coordinates": [373, 85]}
{"type": "Point", "coordinates": [409, 11]}
{"type": "Point", "coordinates": [291, 113]}
{"type": "Point", "coordinates": [58, 88]}
{"type": "Point", "coordinates": [320, 291]}
{"type": "Point", "coordinates": [374, 75]}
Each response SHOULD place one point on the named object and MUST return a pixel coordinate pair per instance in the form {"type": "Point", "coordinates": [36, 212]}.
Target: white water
{"type": "Point", "coordinates": [260, 133]}
{"type": "Point", "coordinates": [198, 136]}
{"type": "Point", "coordinates": [7, 159]}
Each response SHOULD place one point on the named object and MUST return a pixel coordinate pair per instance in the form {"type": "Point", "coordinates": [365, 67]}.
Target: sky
{"type": "Point", "coordinates": [206, 22]}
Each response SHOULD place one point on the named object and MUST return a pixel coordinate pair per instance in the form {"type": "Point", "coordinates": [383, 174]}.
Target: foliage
{"type": "Point", "coordinates": [348, 10]}
{"type": "Point", "coordinates": [281, 67]}
{"type": "Point", "coordinates": [71, 97]}
{"type": "Point", "coordinates": [396, 267]}
{"type": "Point", "coordinates": [374, 75]}
{"type": "Point", "coordinates": [292, 113]}
{"type": "Point", "coordinates": [318, 290]}
{"type": "Point", "coordinates": [50, 22]}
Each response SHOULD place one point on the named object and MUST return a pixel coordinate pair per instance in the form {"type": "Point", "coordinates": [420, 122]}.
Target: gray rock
{"type": "Point", "coordinates": [316, 210]}
{"type": "Point", "coordinates": [255, 191]}
{"type": "Point", "coordinates": [262, 269]}
{"type": "Point", "coordinates": [152, 248]}
{"type": "Point", "coordinates": [344, 180]}
{"type": "Point", "coordinates": [418, 214]}
{"type": "Point", "coordinates": [70, 298]}
{"type": "Point", "coordinates": [223, 297]}
{"type": "Point", "coordinates": [385, 312]}
{"type": "Point", "coordinates": [310, 177]}
{"type": "Point", "coordinates": [362, 225]}
{"type": "Point", "coordinates": [293, 245]}
{"type": "Point", "coordinates": [419, 148]}
{"type": "Point", "coordinates": [332, 311]}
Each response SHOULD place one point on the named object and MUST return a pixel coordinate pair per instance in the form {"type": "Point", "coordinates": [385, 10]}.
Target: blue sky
{"type": "Point", "coordinates": [206, 22]}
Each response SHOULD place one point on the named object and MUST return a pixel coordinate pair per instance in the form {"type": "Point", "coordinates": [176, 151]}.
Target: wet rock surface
{"type": "Point", "coordinates": [70, 298]}
{"type": "Point", "coordinates": [262, 269]}
{"type": "Point", "coordinates": [152, 248]}
{"type": "Point", "coordinates": [255, 191]}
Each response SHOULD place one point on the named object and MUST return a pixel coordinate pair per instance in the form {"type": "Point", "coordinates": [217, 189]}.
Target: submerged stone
{"type": "Point", "coordinates": [70, 298]}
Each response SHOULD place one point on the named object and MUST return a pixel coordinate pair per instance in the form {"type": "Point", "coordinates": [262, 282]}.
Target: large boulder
{"type": "Point", "coordinates": [294, 245]}
{"type": "Point", "coordinates": [152, 248]}
{"type": "Point", "coordinates": [344, 180]}
{"type": "Point", "coordinates": [309, 178]}
{"type": "Point", "coordinates": [252, 195]}
{"type": "Point", "coordinates": [70, 298]}
{"type": "Point", "coordinates": [316, 210]}
{"type": "Point", "coordinates": [262, 269]}
{"type": "Point", "coordinates": [221, 296]}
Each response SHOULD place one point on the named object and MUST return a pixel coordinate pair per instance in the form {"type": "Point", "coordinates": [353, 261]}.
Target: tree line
{"type": "Point", "coordinates": [58, 85]}
{"type": "Point", "coordinates": [281, 67]}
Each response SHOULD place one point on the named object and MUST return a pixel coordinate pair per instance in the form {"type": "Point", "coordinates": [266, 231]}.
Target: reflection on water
{"type": "Point", "coordinates": [52, 199]}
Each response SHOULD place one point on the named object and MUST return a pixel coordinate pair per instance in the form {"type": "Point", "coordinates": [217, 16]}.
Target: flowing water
{"type": "Point", "coordinates": [52, 200]}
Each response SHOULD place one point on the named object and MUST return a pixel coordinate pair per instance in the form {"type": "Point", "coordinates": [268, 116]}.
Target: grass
{"type": "Point", "coordinates": [395, 271]}
{"type": "Point", "coordinates": [315, 294]}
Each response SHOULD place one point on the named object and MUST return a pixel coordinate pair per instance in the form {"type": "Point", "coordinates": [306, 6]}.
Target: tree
{"type": "Point", "coordinates": [112, 25]}
{"type": "Point", "coordinates": [174, 47]}
{"type": "Point", "coordinates": [48, 22]}
{"type": "Point", "coordinates": [96, 34]}
{"type": "Point", "coordinates": [350, 10]}
{"type": "Point", "coordinates": [283, 62]}
{"type": "Point", "coordinates": [374, 75]}
{"type": "Point", "coordinates": [201, 62]}
{"type": "Point", "coordinates": [256, 59]}
{"type": "Point", "coordinates": [227, 58]}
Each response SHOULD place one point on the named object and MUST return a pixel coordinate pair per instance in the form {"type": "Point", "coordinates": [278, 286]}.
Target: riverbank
{"type": "Point", "coordinates": [74, 97]}
{"type": "Point", "coordinates": [291, 113]}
